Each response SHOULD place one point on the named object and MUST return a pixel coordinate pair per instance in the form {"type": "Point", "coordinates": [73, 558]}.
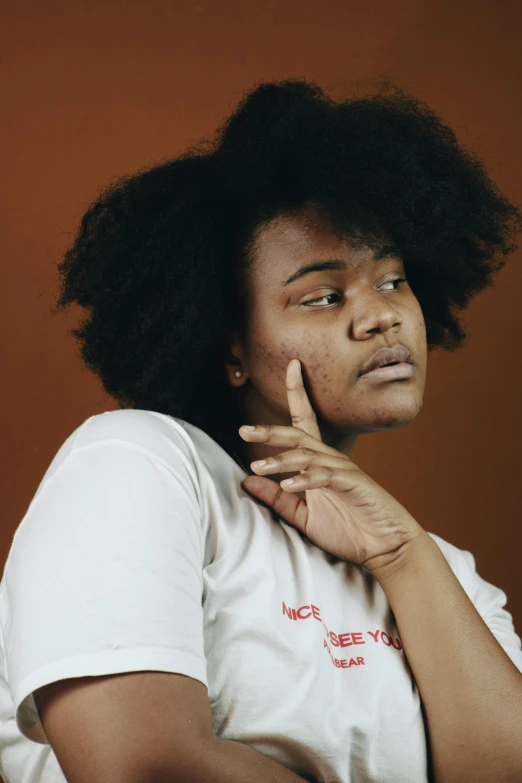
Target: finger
{"type": "Point", "coordinates": [279, 435]}
{"type": "Point", "coordinates": [289, 507]}
{"type": "Point", "coordinates": [301, 410]}
{"type": "Point", "coordinates": [298, 459]}
{"type": "Point", "coordinates": [321, 476]}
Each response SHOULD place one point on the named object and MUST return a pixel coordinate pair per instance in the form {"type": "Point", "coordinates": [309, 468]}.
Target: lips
{"type": "Point", "coordinates": [398, 353]}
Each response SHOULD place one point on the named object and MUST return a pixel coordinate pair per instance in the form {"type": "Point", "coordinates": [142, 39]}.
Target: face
{"type": "Point", "coordinates": [333, 321]}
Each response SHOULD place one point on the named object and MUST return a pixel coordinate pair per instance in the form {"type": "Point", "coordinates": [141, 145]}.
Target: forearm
{"type": "Point", "coordinates": [227, 761]}
{"type": "Point", "coordinates": [234, 762]}
{"type": "Point", "coordinates": [470, 689]}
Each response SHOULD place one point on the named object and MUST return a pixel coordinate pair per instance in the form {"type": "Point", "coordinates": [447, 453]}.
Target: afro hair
{"type": "Point", "coordinates": [158, 258]}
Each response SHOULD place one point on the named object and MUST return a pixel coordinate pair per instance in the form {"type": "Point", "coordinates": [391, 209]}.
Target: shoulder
{"type": "Point", "coordinates": [462, 562]}
{"type": "Point", "coordinates": [156, 432]}
{"type": "Point", "coordinates": [489, 599]}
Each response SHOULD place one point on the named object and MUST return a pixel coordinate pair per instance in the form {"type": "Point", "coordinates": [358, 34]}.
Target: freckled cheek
{"type": "Point", "coordinates": [418, 320]}
{"type": "Point", "coordinates": [272, 348]}
{"type": "Point", "coordinates": [420, 345]}
{"type": "Point", "coordinates": [270, 363]}
{"type": "Point", "coordinates": [321, 371]}
{"type": "Point", "coordinates": [269, 356]}
{"type": "Point", "coordinates": [265, 361]}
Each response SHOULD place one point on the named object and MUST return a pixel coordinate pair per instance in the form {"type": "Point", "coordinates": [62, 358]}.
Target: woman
{"type": "Point", "coordinates": [172, 611]}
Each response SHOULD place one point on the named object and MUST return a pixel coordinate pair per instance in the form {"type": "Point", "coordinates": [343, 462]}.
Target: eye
{"type": "Point", "coordinates": [395, 282]}
{"type": "Point", "coordinates": [326, 296]}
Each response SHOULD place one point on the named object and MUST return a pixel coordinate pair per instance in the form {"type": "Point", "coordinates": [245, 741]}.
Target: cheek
{"type": "Point", "coordinates": [265, 359]}
{"type": "Point", "coordinates": [271, 356]}
{"type": "Point", "coordinates": [316, 351]}
{"type": "Point", "coordinates": [320, 358]}
{"type": "Point", "coordinates": [419, 333]}
{"type": "Point", "coordinates": [418, 318]}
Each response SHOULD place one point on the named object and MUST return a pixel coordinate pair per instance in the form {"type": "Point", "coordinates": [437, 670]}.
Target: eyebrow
{"type": "Point", "coordinates": [381, 254]}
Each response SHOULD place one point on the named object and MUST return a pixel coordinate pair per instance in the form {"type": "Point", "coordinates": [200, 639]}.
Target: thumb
{"type": "Point", "coordinates": [287, 505]}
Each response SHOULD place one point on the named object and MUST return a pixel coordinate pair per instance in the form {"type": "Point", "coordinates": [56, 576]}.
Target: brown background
{"type": "Point", "coordinates": [95, 90]}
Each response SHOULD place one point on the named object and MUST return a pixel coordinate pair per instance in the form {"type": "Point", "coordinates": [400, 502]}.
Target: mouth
{"type": "Point", "coordinates": [395, 371]}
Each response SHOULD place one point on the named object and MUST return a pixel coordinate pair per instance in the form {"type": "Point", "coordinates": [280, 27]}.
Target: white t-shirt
{"type": "Point", "coordinates": [141, 551]}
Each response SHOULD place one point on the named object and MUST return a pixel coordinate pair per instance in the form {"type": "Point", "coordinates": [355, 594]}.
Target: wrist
{"type": "Point", "coordinates": [385, 567]}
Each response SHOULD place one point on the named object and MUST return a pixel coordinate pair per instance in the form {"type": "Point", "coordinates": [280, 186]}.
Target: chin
{"type": "Point", "coordinates": [393, 420]}
{"type": "Point", "coordinates": [389, 417]}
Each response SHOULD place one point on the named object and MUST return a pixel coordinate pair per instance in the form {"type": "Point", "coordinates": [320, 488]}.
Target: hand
{"type": "Point", "coordinates": [346, 513]}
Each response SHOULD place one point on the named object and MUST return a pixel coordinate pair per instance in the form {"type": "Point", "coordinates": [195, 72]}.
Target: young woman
{"type": "Point", "coordinates": [172, 609]}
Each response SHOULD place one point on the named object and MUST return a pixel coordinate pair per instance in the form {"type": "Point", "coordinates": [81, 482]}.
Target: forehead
{"type": "Point", "coordinates": [292, 236]}
{"type": "Point", "coordinates": [289, 241]}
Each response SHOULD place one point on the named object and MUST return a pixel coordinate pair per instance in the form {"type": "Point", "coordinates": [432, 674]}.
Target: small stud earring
{"type": "Point", "coordinates": [238, 373]}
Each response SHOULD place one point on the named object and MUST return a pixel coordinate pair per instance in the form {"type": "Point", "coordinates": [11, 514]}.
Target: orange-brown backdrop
{"type": "Point", "coordinates": [93, 90]}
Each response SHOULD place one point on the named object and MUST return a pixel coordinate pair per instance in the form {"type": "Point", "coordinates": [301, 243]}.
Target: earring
{"type": "Point", "coordinates": [238, 373]}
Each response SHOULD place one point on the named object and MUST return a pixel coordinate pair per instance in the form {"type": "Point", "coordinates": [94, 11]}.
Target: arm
{"type": "Point", "coordinates": [145, 727]}
{"type": "Point", "coordinates": [228, 761]}
{"type": "Point", "coordinates": [470, 688]}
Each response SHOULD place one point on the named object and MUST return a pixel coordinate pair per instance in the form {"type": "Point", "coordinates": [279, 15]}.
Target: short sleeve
{"type": "Point", "coordinates": [490, 602]}
{"type": "Point", "coordinates": [104, 575]}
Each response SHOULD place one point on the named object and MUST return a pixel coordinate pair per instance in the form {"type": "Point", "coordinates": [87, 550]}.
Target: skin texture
{"type": "Point", "coordinates": [332, 338]}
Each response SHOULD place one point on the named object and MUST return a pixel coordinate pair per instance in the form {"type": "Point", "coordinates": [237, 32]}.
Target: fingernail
{"type": "Point", "coordinates": [249, 427]}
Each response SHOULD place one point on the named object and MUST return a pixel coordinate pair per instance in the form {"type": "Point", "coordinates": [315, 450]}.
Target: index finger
{"type": "Point", "coordinates": [301, 410]}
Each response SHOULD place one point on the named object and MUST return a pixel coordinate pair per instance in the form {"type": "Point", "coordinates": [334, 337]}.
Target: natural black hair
{"type": "Point", "coordinates": [159, 257]}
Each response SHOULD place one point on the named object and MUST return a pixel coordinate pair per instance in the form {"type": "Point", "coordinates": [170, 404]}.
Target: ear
{"type": "Point", "coordinates": [236, 360]}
